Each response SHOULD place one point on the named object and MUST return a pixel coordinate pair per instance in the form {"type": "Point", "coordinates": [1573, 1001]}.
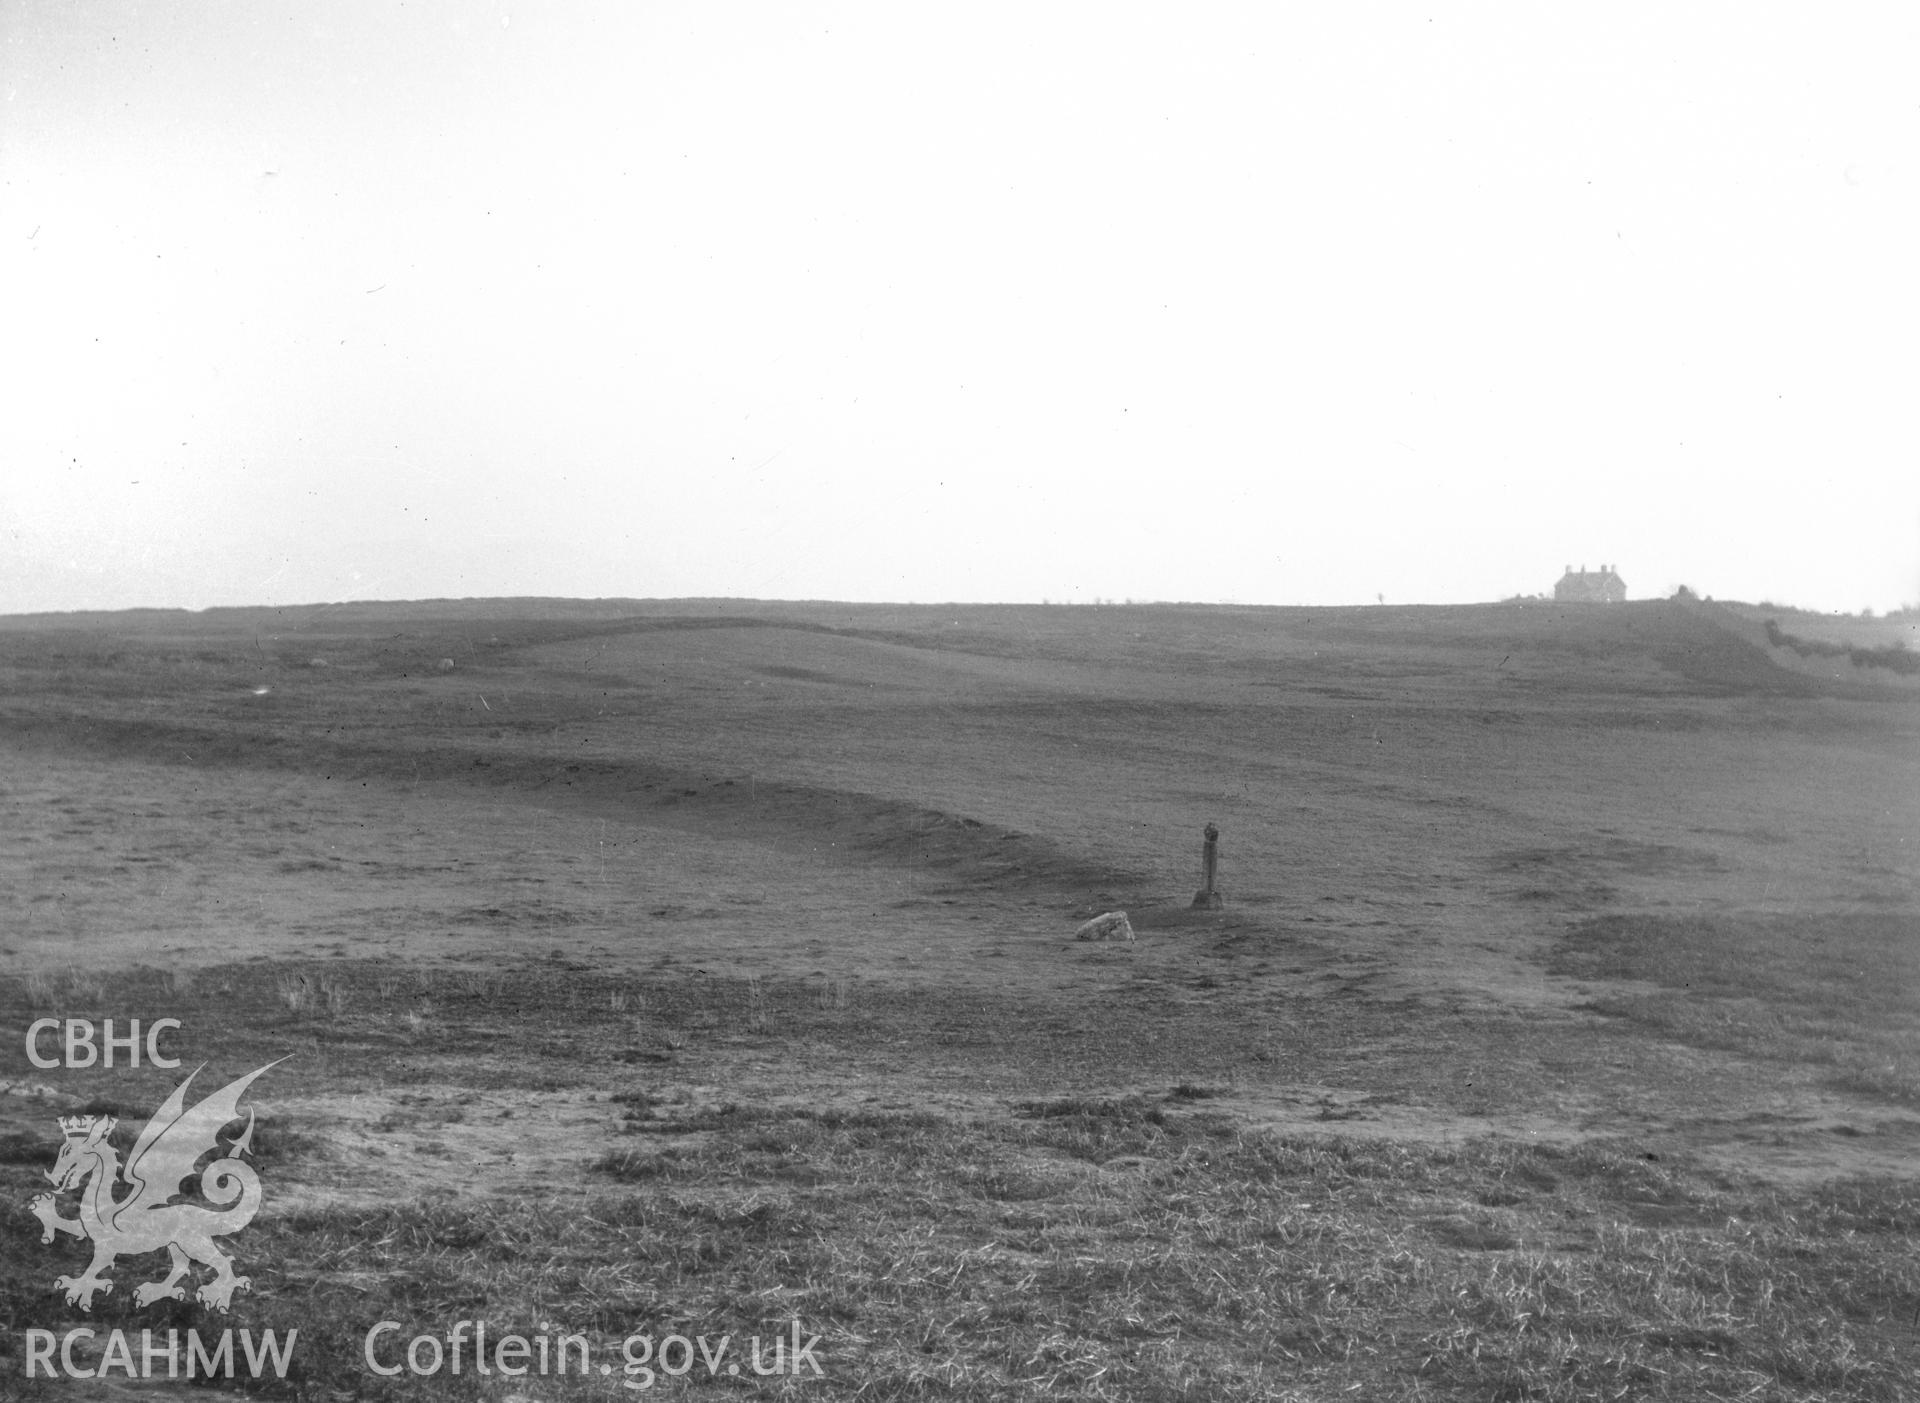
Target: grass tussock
{"type": "Point", "coordinates": [307, 995]}
{"type": "Point", "coordinates": [67, 990]}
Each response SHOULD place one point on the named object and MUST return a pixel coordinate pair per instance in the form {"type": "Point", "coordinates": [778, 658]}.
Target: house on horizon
{"type": "Point", "coordinates": [1584, 586]}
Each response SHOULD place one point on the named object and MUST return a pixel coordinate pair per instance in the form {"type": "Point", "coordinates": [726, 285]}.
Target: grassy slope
{"type": "Point", "coordinates": [809, 1041]}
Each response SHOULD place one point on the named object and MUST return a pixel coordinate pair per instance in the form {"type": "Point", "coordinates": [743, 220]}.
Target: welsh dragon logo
{"type": "Point", "coordinates": [168, 1151]}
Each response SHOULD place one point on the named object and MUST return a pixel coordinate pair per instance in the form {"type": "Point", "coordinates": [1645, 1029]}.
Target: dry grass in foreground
{"type": "Point", "coordinates": [1139, 1248]}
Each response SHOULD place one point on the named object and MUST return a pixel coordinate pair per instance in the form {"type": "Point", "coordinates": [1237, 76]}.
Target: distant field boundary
{"type": "Point", "coordinates": [1847, 669]}
{"type": "Point", "coordinates": [1894, 658]}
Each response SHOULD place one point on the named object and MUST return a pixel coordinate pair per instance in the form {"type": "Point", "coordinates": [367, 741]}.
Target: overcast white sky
{"type": "Point", "coordinates": [1305, 303]}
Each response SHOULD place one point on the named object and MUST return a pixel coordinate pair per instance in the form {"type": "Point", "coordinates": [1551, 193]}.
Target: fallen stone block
{"type": "Point", "coordinates": [1114, 925]}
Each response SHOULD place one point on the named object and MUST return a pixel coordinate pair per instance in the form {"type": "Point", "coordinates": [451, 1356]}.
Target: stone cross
{"type": "Point", "coordinates": [1207, 898]}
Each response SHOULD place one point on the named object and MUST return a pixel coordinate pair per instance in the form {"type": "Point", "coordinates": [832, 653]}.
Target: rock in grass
{"type": "Point", "coordinates": [1114, 925]}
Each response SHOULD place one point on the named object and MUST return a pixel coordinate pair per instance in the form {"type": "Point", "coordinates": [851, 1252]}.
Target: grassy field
{"type": "Point", "coordinates": [701, 967]}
